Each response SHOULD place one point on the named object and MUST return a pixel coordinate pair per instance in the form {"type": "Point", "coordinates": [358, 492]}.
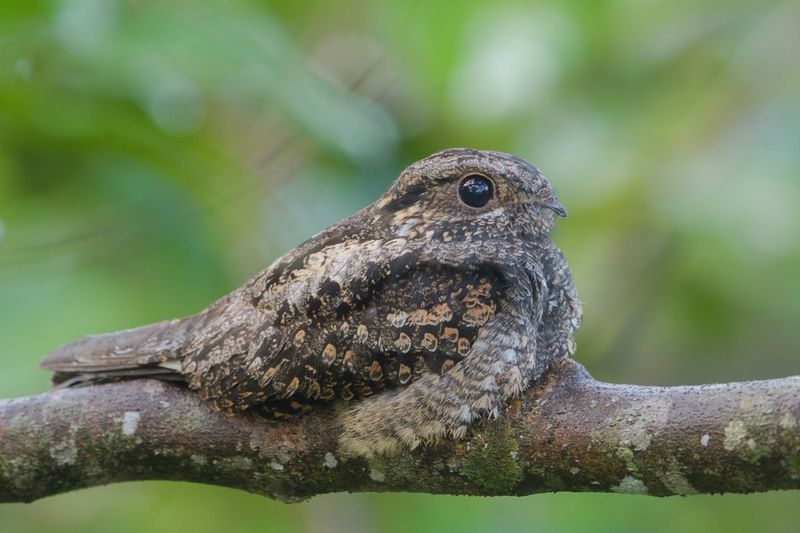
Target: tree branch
{"type": "Point", "coordinates": [570, 433]}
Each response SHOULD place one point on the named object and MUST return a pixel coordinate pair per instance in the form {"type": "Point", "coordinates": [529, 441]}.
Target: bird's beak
{"type": "Point", "coordinates": [548, 200]}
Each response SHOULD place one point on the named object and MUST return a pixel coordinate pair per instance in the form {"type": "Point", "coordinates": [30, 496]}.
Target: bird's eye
{"type": "Point", "coordinates": [476, 190]}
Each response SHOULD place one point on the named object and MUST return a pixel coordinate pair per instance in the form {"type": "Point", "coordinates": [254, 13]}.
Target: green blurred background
{"type": "Point", "coordinates": [155, 154]}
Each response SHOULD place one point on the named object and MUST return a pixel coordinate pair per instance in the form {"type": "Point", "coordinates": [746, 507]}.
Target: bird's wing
{"type": "Point", "coordinates": [500, 363]}
{"type": "Point", "coordinates": [346, 323]}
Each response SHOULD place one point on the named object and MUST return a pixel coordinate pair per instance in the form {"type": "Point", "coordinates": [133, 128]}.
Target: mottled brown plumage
{"type": "Point", "coordinates": [429, 312]}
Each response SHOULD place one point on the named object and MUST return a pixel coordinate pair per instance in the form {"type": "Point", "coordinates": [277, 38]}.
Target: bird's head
{"type": "Point", "coordinates": [471, 189]}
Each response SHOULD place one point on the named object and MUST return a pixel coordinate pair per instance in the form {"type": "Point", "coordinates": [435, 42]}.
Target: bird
{"type": "Point", "coordinates": [422, 313]}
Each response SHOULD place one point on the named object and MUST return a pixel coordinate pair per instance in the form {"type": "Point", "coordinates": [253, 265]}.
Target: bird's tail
{"type": "Point", "coordinates": [149, 351]}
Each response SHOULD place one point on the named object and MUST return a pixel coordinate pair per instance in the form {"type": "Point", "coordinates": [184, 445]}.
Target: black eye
{"type": "Point", "coordinates": [476, 190]}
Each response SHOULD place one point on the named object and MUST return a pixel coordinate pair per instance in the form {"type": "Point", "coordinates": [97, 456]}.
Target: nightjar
{"type": "Point", "coordinates": [426, 311]}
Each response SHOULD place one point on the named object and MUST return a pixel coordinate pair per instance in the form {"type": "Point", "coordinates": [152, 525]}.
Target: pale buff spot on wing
{"type": "Point", "coordinates": [362, 333]}
{"type": "Point", "coordinates": [447, 365]}
{"type": "Point", "coordinates": [375, 371]}
{"type": "Point", "coordinates": [479, 314]}
{"type": "Point", "coordinates": [299, 338]}
{"type": "Point", "coordinates": [430, 342]}
{"type": "Point", "coordinates": [463, 346]}
{"type": "Point", "coordinates": [328, 354]}
{"type": "Point", "coordinates": [349, 361]}
{"type": "Point", "coordinates": [450, 335]}
{"type": "Point", "coordinates": [440, 313]}
{"type": "Point", "coordinates": [418, 317]}
{"type": "Point", "coordinates": [403, 343]}
{"type": "Point", "coordinates": [294, 384]}
{"type": "Point", "coordinates": [403, 374]}
{"type": "Point", "coordinates": [420, 364]}
{"type": "Point", "coordinates": [397, 319]}
{"type": "Point", "coordinates": [267, 377]}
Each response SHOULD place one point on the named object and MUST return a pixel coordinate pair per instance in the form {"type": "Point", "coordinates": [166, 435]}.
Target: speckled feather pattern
{"type": "Point", "coordinates": [422, 313]}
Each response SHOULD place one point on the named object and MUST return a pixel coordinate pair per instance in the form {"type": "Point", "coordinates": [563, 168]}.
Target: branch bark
{"type": "Point", "coordinates": [570, 433]}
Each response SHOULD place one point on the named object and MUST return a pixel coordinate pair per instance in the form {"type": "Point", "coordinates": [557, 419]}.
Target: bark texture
{"type": "Point", "coordinates": [570, 433]}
